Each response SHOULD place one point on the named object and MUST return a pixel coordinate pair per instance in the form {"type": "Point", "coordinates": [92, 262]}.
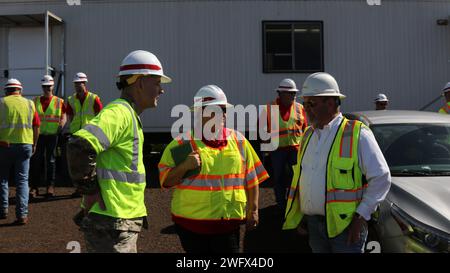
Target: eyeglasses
{"type": "Point", "coordinates": [310, 104]}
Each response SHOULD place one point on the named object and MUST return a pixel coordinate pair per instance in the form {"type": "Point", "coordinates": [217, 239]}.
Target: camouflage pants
{"type": "Point", "coordinates": [104, 234]}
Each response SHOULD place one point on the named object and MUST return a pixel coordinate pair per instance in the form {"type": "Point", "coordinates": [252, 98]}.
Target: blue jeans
{"type": "Point", "coordinates": [16, 156]}
{"type": "Point", "coordinates": [320, 243]}
{"type": "Point", "coordinates": [282, 162]}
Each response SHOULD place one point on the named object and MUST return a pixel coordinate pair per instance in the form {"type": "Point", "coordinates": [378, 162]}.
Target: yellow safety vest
{"type": "Point", "coordinates": [290, 131]}
{"type": "Point", "coordinates": [344, 180]}
{"type": "Point", "coordinates": [81, 113]}
{"type": "Point", "coordinates": [117, 137]}
{"type": "Point", "coordinates": [51, 118]}
{"type": "Point", "coordinates": [445, 109]}
{"type": "Point", "coordinates": [218, 192]}
{"type": "Point", "coordinates": [16, 119]}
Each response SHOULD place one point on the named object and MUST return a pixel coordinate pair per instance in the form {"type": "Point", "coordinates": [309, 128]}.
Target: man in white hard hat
{"type": "Point", "coordinates": [341, 175]}
{"type": "Point", "coordinates": [292, 122]}
{"type": "Point", "coordinates": [381, 102]}
{"type": "Point", "coordinates": [19, 132]}
{"type": "Point", "coordinates": [446, 94]}
{"type": "Point", "coordinates": [216, 181]}
{"type": "Point", "coordinates": [83, 105]}
{"type": "Point", "coordinates": [51, 112]}
{"type": "Point", "coordinates": [106, 162]}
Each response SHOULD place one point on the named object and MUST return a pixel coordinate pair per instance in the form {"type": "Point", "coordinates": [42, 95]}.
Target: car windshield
{"type": "Point", "coordinates": [415, 149]}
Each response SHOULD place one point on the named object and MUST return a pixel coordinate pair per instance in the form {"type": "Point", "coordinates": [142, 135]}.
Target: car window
{"type": "Point", "coordinates": [415, 148]}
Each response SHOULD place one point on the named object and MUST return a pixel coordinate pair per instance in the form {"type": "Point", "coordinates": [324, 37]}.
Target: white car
{"type": "Point", "coordinates": [415, 216]}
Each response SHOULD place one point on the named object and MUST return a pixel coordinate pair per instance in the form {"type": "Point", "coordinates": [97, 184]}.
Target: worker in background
{"type": "Point", "coordinates": [105, 159]}
{"type": "Point", "coordinates": [341, 176]}
{"type": "Point", "coordinates": [51, 111]}
{"type": "Point", "coordinates": [81, 107]}
{"type": "Point", "coordinates": [446, 94]}
{"type": "Point", "coordinates": [292, 122]}
{"type": "Point", "coordinates": [209, 205]}
{"type": "Point", "coordinates": [381, 102]}
{"type": "Point", "coordinates": [19, 132]}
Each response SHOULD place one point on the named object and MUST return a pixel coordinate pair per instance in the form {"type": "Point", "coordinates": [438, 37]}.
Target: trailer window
{"type": "Point", "coordinates": [295, 46]}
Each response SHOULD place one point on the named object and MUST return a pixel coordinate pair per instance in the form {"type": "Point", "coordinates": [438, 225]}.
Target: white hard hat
{"type": "Point", "coordinates": [80, 77]}
{"type": "Point", "coordinates": [321, 84]}
{"type": "Point", "coordinates": [210, 95]}
{"type": "Point", "coordinates": [287, 85]}
{"type": "Point", "coordinates": [13, 83]}
{"type": "Point", "coordinates": [47, 80]}
{"type": "Point", "coordinates": [446, 88]}
{"type": "Point", "coordinates": [144, 63]}
{"type": "Point", "coordinates": [381, 97]}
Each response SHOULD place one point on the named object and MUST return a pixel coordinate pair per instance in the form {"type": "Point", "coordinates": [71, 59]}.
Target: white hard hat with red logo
{"type": "Point", "coordinates": [80, 77]}
{"type": "Point", "coordinates": [13, 83]}
{"type": "Point", "coordinates": [210, 95]}
{"type": "Point", "coordinates": [141, 62]}
{"type": "Point", "coordinates": [47, 80]}
{"type": "Point", "coordinates": [287, 85]}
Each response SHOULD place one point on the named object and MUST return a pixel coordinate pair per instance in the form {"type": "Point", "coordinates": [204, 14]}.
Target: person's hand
{"type": "Point", "coordinates": [90, 200]}
{"type": "Point", "coordinates": [252, 220]}
{"type": "Point", "coordinates": [357, 224]}
{"type": "Point", "coordinates": [192, 161]}
{"type": "Point", "coordinates": [33, 150]}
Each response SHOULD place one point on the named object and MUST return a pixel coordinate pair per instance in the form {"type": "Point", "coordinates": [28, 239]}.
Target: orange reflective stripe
{"type": "Point", "coordinates": [260, 178]}
{"type": "Point", "coordinates": [291, 194]}
{"type": "Point", "coordinates": [256, 165]}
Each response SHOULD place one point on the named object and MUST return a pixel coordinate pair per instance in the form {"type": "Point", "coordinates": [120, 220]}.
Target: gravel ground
{"type": "Point", "coordinates": [50, 228]}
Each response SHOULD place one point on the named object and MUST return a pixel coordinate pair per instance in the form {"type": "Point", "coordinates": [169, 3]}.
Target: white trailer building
{"type": "Point", "coordinates": [400, 48]}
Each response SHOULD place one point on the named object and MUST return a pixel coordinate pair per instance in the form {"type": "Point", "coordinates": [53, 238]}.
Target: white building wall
{"type": "Point", "coordinates": [396, 48]}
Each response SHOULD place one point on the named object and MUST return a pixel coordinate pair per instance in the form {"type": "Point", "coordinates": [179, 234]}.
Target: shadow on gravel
{"type": "Point", "coordinates": [269, 238]}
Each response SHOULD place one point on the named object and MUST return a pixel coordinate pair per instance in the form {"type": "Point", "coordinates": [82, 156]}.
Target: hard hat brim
{"type": "Point", "coordinates": [192, 108]}
{"type": "Point", "coordinates": [286, 90]}
{"type": "Point", "coordinates": [341, 96]}
{"type": "Point", "coordinates": [165, 79]}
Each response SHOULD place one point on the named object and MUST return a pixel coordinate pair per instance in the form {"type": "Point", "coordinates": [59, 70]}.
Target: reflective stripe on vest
{"type": "Point", "coordinates": [211, 195]}
{"type": "Point", "coordinates": [51, 117]}
{"type": "Point", "coordinates": [82, 114]}
{"type": "Point", "coordinates": [120, 174]}
{"type": "Point", "coordinates": [290, 131]}
{"type": "Point", "coordinates": [133, 177]}
{"type": "Point", "coordinates": [16, 129]}
{"type": "Point", "coordinates": [344, 180]}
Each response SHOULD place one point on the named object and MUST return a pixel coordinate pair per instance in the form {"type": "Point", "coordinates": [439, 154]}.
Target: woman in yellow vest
{"type": "Point", "coordinates": [51, 112]}
{"type": "Point", "coordinates": [215, 177]}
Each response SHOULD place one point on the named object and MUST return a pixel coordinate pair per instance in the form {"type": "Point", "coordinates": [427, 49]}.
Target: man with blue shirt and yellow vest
{"type": "Point", "coordinates": [106, 162]}
{"type": "Point", "coordinates": [19, 132]}
{"type": "Point", "coordinates": [51, 112]}
{"type": "Point", "coordinates": [291, 124]}
{"type": "Point", "coordinates": [341, 175]}
{"type": "Point", "coordinates": [208, 206]}
{"type": "Point", "coordinates": [446, 94]}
